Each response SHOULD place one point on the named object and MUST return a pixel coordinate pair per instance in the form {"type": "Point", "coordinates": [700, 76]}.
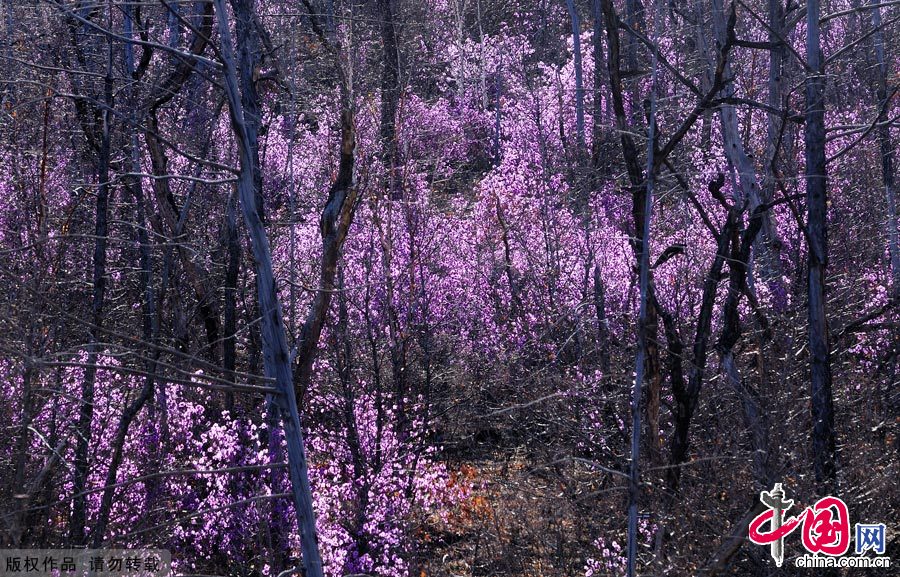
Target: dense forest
{"type": "Point", "coordinates": [451, 288]}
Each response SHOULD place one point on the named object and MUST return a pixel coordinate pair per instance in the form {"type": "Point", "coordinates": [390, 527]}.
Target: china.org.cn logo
{"type": "Point", "coordinates": [824, 528]}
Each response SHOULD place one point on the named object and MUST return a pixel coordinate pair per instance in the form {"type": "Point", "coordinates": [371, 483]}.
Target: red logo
{"type": "Point", "coordinates": [826, 525]}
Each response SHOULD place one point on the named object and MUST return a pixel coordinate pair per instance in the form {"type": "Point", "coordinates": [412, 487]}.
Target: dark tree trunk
{"type": "Point", "coordinates": [578, 157]}
{"type": "Point", "coordinates": [150, 335]}
{"type": "Point", "coordinates": [390, 101]}
{"type": "Point", "coordinates": [101, 232]}
{"type": "Point", "coordinates": [648, 351]}
{"type": "Point", "coordinates": [776, 100]}
{"type": "Point", "coordinates": [150, 324]}
{"type": "Point", "coordinates": [344, 357]}
{"type": "Point", "coordinates": [888, 156]}
{"type": "Point", "coordinates": [390, 95]}
{"type": "Point", "coordinates": [579, 82]}
{"type": "Point", "coordinates": [21, 455]}
{"type": "Point", "coordinates": [602, 322]}
{"type": "Point", "coordinates": [248, 47]}
{"type": "Point", "coordinates": [232, 268]}
{"type": "Point", "coordinates": [687, 393]}
{"type": "Point", "coordinates": [755, 417]}
{"type": "Point", "coordinates": [635, 18]}
{"type": "Point", "coordinates": [823, 435]}
{"type": "Point", "coordinates": [654, 383]}
{"type": "Point", "coordinates": [599, 138]}
{"type": "Point", "coordinates": [173, 217]}
{"type": "Point", "coordinates": [629, 150]}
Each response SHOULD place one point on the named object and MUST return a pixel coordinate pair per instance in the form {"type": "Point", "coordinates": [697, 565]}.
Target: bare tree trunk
{"type": "Point", "coordinates": [344, 360]}
{"type": "Point", "coordinates": [602, 322]}
{"type": "Point", "coordinates": [654, 383]}
{"type": "Point", "coordinates": [174, 28]}
{"type": "Point", "coordinates": [647, 357]}
{"type": "Point", "coordinates": [390, 102]}
{"type": "Point", "coordinates": [755, 417]}
{"type": "Point", "coordinates": [335, 222]}
{"type": "Point", "coordinates": [578, 154]}
{"type": "Point", "coordinates": [174, 228]}
{"type": "Point", "coordinates": [636, 19]}
{"type": "Point", "coordinates": [687, 393]}
{"type": "Point", "coordinates": [629, 149]}
{"type": "Point", "coordinates": [579, 82]}
{"type": "Point", "coordinates": [823, 435]}
{"type": "Point", "coordinates": [174, 218]}
{"type": "Point", "coordinates": [22, 452]}
{"type": "Point", "coordinates": [275, 350]}
{"type": "Point", "coordinates": [336, 216]}
{"type": "Point", "coordinates": [150, 320]}
{"type": "Point", "coordinates": [733, 144]}
{"type": "Point", "coordinates": [775, 99]}
{"type": "Point", "coordinates": [150, 335]}
{"type": "Point", "coordinates": [232, 269]}
{"type": "Point", "coordinates": [599, 138]}
{"type": "Point", "coordinates": [390, 95]}
{"type": "Point", "coordinates": [888, 155]}
{"type": "Point", "coordinates": [644, 324]}
{"type": "Point", "coordinates": [731, 137]}
{"type": "Point", "coordinates": [248, 47]}
{"type": "Point", "coordinates": [101, 231]}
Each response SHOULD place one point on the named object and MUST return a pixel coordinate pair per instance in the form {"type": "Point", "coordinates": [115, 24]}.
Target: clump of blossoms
{"type": "Point", "coordinates": [612, 558]}
{"type": "Point", "coordinates": [365, 504]}
{"type": "Point", "coordinates": [369, 497]}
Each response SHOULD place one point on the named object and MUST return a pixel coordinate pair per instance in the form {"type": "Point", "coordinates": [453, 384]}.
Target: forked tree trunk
{"type": "Point", "coordinates": [173, 217]}
{"type": "Point", "coordinates": [150, 321]}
